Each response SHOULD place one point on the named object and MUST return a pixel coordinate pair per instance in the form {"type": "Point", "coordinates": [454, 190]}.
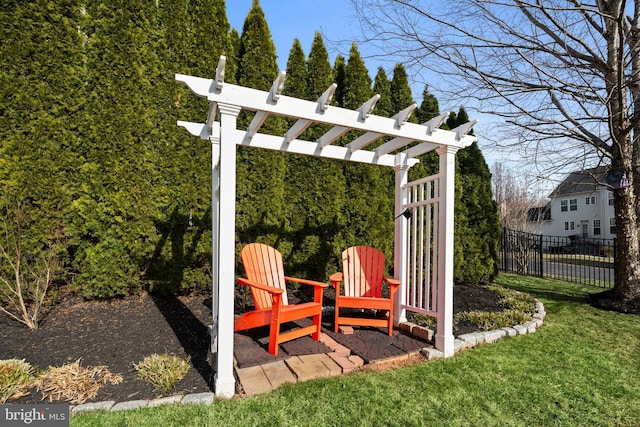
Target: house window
{"type": "Point", "coordinates": [573, 204]}
{"type": "Point", "coordinates": [564, 205]}
{"type": "Point", "coordinates": [612, 225]}
{"type": "Point", "coordinates": [610, 198]}
{"type": "Point", "coordinates": [569, 225]}
{"type": "Point", "coordinates": [596, 227]}
{"type": "Point", "coordinates": [590, 200]}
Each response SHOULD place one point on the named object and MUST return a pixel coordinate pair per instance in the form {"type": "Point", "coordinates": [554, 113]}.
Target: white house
{"type": "Point", "coordinates": [582, 205]}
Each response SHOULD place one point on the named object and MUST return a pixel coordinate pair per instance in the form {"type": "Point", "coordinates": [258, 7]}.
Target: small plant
{"type": "Point", "coordinates": [74, 383]}
{"type": "Point", "coordinates": [15, 377]}
{"type": "Point", "coordinates": [514, 300]}
{"type": "Point", "coordinates": [162, 371]}
{"type": "Point", "coordinates": [424, 320]}
{"type": "Point", "coordinates": [493, 320]}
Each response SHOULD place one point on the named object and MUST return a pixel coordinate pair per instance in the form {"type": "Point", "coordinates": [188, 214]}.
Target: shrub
{"type": "Point", "coordinates": [162, 371]}
{"type": "Point", "coordinates": [424, 320]}
{"type": "Point", "coordinates": [514, 300]}
{"type": "Point", "coordinates": [15, 377]}
{"type": "Point", "coordinates": [27, 267]}
{"type": "Point", "coordinates": [493, 320]}
{"type": "Point", "coordinates": [74, 383]}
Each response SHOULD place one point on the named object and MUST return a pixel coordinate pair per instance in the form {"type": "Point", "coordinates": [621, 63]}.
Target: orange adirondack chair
{"type": "Point", "coordinates": [363, 276]}
{"type": "Point", "coordinates": [265, 277]}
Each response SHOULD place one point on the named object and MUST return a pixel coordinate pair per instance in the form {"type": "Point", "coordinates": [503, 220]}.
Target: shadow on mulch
{"type": "Point", "coordinates": [121, 332]}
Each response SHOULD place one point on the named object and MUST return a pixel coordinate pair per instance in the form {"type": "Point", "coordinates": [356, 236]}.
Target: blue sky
{"type": "Point", "coordinates": [301, 19]}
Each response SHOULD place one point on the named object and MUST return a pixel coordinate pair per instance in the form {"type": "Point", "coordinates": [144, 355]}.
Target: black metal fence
{"type": "Point", "coordinates": [573, 259]}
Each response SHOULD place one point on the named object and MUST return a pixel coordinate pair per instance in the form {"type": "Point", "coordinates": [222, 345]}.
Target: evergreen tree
{"type": "Point", "coordinates": [295, 84]}
{"type": "Point", "coordinates": [191, 43]}
{"type": "Point", "coordinates": [382, 86]}
{"type": "Point", "coordinates": [211, 35]}
{"type": "Point", "coordinates": [357, 83]}
{"type": "Point", "coordinates": [477, 225]}
{"type": "Point", "coordinates": [368, 210]}
{"type": "Point", "coordinates": [339, 70]}
{"type": "Point", "coordinates": [314, 189]}
{"type": "Point", "coordinates": [401, 91]}
{"type": "Point", "coordinates": [114, 216]}
{"type": "Point", "coordinates": [319, 74]}
{"type": "Point", "coordinates": [232, 57]}
{"type": "Point", "coordinates": [427, 110]}
{"type": "Point", "coordinates": [260, 173]}
{"type": "Point", "coordinates": [41, 97]}
{"type": "Point", "coordinates": [429, 107]}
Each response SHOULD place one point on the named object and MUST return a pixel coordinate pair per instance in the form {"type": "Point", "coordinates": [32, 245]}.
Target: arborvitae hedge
{"type": "Point", "coordinates": [90, 149]}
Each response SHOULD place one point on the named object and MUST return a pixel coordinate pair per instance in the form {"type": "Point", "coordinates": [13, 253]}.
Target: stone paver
{"type": "Point", "coordinates": [347, 330]}
{"type": "Point", "coordinates": [423, 333]}
{"type": "Point", "coordinates": [313, 366]}
{"type": "Point", "coordinates": [357, 360]}
{"type": "Point", "coordinates": [343, 361]}
{"type": "Point", "coordinates": [407, 326]}
{"type": "Point", "coordinates": [278, 373]}
{"type": "Point", "coordinates": [254, 380]}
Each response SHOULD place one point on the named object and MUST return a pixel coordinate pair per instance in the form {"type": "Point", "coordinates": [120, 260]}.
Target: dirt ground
{"type": "Point", "coordinates": [121, 332]}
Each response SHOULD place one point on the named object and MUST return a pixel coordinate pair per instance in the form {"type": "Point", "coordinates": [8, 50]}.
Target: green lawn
{"type": "Point", "coordinates": [581, 368]}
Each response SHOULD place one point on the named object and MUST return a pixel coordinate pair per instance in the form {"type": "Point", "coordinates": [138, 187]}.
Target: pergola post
{"type": "Point", "coordinates": [444, 334]}
{"type": "Point", "coordinates": [226, 214]}
{"type": "Point", "coordinates": [214, 139]}
{"type": "Point", "coordinates": [400, 255]}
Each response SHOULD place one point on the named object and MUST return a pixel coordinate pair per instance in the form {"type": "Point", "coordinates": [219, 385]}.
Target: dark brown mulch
{"type": "Point", "coordinates": [608, 300]}
{"type": "Point", "coordinates": [119, 333]}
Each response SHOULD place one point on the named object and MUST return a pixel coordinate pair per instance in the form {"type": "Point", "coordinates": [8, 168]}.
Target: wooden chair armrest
{"type": "Point", "coordinates": [336, 278]}
{"type": "Point", "coordinates": [270, 289]}
{"type": "Point", "coordinates": [392, 282]}
{"type": "Point", "coordinates": [306, 282]}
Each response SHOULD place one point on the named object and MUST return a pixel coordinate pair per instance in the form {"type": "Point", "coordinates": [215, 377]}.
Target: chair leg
{"type": "Point", "coordinates": [336, 316]}
{"type": "Point", "coordinates": [317, 321]}
{"type": "Point", "coordinates": [274, 327]}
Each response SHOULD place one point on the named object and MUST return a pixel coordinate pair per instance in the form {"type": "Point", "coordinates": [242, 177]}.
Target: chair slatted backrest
{"type": "Point", "coordinates": [363, 269]}
{"type": "Point", "coordinates": [263, 265]}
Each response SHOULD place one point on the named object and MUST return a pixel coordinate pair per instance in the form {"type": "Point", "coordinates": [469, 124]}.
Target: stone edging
{"type": "Point", "coordinates": [462, 342]}
{"type": "Point", "coordinates": [474, 339]}
{"type": "Point", "coordinates": [111, 405]}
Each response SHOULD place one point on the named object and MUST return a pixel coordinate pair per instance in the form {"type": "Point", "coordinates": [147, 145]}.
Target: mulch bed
{"type": "Point", "coordinates": [121, 332]}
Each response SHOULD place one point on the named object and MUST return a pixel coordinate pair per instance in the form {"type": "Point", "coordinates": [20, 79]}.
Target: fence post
{"type": "Point", "coordinates": [540, 253]}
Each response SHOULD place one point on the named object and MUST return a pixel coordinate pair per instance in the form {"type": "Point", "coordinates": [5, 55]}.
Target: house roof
{"type": "Point", "coordinates": [582, 181]}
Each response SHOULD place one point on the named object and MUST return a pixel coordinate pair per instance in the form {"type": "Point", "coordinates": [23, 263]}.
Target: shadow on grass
{"type": "Point", "coordinates": [543, 288]}
{"type": "Point", "coordinates": [191, 333]}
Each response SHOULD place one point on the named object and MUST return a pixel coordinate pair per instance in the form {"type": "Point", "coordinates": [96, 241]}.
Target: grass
{"type": "Point", "coordinates": [580, 368]}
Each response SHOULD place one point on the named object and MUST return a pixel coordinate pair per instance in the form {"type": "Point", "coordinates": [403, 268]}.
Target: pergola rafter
{"type": "Point", "coordinates": [406, 142]}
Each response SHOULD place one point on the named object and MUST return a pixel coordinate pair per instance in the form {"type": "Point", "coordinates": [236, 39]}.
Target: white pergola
{"type": "Point", "coordinates": [423, 245]}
